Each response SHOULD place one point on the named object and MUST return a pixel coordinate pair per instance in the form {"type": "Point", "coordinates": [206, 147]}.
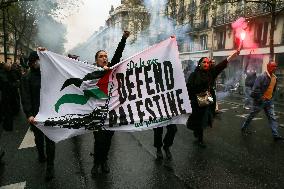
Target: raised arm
{"type": "Point", "coordinates": [118, 52]}
{"type": "Point", "coordinates": [222, 65]}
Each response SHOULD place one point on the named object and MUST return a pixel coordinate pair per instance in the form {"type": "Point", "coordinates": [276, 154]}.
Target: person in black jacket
{"type": "Point", "coordinates": [9, 105]}
{"type": "Point", "coordinates": [30, 97]}
{"type": "Point", "coordinates": [201, 80]}
{"type": "Point", "coordinates": [103, 137]}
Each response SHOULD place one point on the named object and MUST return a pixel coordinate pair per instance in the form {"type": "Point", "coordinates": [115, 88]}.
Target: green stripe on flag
{"type": "Point", "coordinates": [71, 98]}
{"type": "Point", "coordinates": [95, 93]}
{"type": "Point", "coordinates": [80, 99]}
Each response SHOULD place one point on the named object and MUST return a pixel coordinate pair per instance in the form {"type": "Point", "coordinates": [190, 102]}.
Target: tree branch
{"type": "Point", "coordinates": [278, 12]}
{"type": "Point", "coordinates": [6, 4]}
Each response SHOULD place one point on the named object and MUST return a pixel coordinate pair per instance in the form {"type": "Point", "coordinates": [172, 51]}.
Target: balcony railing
{"type": "Point", "coordinates": [200, 26]}
{"type": "Point", "coordinates": [224, 18]}
{"type": "Point", "coordinates": [253, 10]}
{"type": "Point", "coordinates": [191, 47]}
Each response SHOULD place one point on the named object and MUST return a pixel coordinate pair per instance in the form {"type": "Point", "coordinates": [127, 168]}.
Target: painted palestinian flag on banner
{"type": "Point", "coordinates": [142, 92]}
{"type": "Point", "coordinates": [73, 96]}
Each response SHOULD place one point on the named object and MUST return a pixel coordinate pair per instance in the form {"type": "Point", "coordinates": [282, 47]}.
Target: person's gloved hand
{"type": "Point", "coordinates": [126, 34]}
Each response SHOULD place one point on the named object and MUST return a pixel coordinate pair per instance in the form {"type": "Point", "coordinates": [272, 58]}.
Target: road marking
{"type": "Point", "coordinates": [20, 185]}
{"type": "Point", "coordinates": [223, 110]}
{"type": "Point", "coordinates": [28, 141]}
{"type": "Point", "coordinates": [238, 104]}
{"type": "Point", "coordinates": [234, 107]}
{"type": "Point", "coordinates": [245, 116]}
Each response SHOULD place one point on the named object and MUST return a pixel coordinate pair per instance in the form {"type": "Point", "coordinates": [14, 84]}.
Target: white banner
{"type": "Point", "coordinates": [144, 91]}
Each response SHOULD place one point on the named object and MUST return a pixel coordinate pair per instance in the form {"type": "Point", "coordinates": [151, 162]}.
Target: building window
{"type": "Point", "coordinates": [203, 42]}
{"type": "Point", "coordinates": [260, 34]}
{"type": "Point", "coordinates": [221, 39]}
{"type": "Point", "coordinates": [204, 19]}
{"type": "Point", "coordinates": [191, 46]}
{"type": "Point", "coordinates": [186, 45]}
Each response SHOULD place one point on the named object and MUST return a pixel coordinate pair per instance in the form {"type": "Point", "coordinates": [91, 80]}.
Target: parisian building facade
{"type": "Point", "coordinates": [211, 35]}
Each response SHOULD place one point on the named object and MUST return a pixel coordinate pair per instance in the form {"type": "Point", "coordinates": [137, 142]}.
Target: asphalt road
{"type": "Point", "coordinates": [230, 160]}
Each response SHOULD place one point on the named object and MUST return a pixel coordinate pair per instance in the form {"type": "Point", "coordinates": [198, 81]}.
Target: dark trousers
{"type": "Point", "coordinates": [168, 139]}
{"type": "Point", "coordinates": [8, 122]}
{"type": "Point", "coordinates": [7, 116]}
{"type": "Point", "coordinates": [102, 145]}
{"type": "Point", "coordinates": [49, 144]}
{"type": "Point", "coordinates": [198, 133]}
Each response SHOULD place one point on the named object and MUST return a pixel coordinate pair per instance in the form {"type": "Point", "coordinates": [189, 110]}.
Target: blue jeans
{"type": "Point", "coordinates": [268, 107]}
{"type": "Point", "coordinates": [248, 99]}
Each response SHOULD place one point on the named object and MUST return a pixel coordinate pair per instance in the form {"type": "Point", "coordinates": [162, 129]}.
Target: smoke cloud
{"type": "Point", "coordinates": [160, 28]}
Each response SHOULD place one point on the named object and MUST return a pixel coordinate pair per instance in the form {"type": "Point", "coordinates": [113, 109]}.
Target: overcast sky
{"type": "Point", "coordinates": [90, 16]}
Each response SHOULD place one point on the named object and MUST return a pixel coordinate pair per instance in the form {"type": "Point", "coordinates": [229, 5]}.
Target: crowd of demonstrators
{"type": "Point", "coordinates": [103, 137]}
{"type": "Point", "coordinates": [262, 94]}
{"type": "Point", "coordinates": [30, 96]}
{"type": "Point", "coordinates": [202, 80]}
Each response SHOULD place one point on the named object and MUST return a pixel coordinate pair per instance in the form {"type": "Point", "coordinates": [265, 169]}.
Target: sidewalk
{"type": "Point", "coordinates": [239, 99]}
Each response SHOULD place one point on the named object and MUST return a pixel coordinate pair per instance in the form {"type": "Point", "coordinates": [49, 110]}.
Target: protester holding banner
{"type": "Point", "coordinates": [166, 142]}
{"type": "Point", "coordinates": [200, 87]}
{"type": "Point", "coordinates": [30, 97]}
{"type": "Point", "coordinates": [103, 137]}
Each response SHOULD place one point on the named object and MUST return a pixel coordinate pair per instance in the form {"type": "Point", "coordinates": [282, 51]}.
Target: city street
{"type": "Point", "coordinates": [71, 67]}
{"type": "Point", "coordinates": [229, 161]}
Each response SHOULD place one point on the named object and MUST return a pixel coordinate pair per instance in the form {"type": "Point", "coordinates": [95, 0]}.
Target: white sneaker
{"type": "Point", "coordinates": [247, 108]}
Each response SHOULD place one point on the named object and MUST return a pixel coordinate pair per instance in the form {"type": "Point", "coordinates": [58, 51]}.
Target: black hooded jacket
{"type": "Point", "coordinates": [30, 92]}
{"type": "Point", "coordinates": [200, 81]}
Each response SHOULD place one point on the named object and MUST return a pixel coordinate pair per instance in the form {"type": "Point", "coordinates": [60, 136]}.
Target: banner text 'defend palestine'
{"type": "Point", "coordinates": [159, 75]}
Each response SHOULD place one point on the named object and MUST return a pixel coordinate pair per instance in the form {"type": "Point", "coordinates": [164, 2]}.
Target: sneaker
{"type": "Point", "coordinates": [105, 167]}
{"type": "Point", "coordinates": [168, 153]}
{"type": "Point", "coordinates": [246, 108]}
{"type": "Point", "coordinates": [159, 154]}
{"type": "Point", "coordinates": [49, 174]}
{"type": "Point", "coordinates": [95, 170]}
{"type": "Point", "coordinates": [278, 138]}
